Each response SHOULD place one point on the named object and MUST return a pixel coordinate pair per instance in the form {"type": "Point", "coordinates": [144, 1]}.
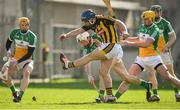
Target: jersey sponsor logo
{"type": "Point", "coordinates": [22, 44]}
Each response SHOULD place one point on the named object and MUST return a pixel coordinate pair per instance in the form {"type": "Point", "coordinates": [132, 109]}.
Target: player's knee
{"type": "Point", "coordinates": [26, 74]}
{"type": "Point", "coordinates": [126, 78]}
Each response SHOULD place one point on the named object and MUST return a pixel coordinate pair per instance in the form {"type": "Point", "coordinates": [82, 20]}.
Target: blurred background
{"type": "Point", "coordinates": [50, 18]}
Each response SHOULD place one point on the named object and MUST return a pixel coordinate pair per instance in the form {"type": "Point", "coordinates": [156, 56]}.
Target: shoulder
{"type": "Point", "coordinates": [15, 31]}
{"type": "Point", "coordinates": [103, 18]}
{"type": "Point", "coordinates": [32, 34]}
{"type": "Point", "coordinates": [165, 21]}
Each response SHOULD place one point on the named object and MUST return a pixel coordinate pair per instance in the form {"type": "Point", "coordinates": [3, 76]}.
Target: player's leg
{"type": "Point", "coordinates": [168, 61]}
{"type": "Point", "coordinates": [121, 70]}
{"type": "Point", "coordinates": [163, 71]}
{"type": "Point", "coordinates": [94, 55]}
{"type": "Point", "coordinates": [152, 78]}
{"type": "Point", "coordinates": [102, 87]}
{"type": "Point", "coordinates": [104, 71]}
{"type": "Point", "coordinates": [27, 70]}
{"type": "Point", "coordinates": [135, 69]}
{"type": "Point", "coordinates": [7, 67]}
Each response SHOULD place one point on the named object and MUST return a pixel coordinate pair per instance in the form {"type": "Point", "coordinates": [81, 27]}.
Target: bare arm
{"type": "Point", "coordinates": [122, 28]}
{"type": "Point", "coordinates": [71, 33]}
{"type": "Point", "coordinates": [172, 39]}
{"type": "Point", "coordinates": [141, 44]}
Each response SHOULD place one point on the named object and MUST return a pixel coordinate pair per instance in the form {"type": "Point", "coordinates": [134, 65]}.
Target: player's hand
{"type": "Point", "coordinates": [90, 79]}
{"type": "Point", "coordinates": [124, 42]}
{"type": "Point", "coordinates": [13, 62]}
{"type": "Point", "coordinates": [97, 42]}
{"type": "Point", "coordinates": [165, 49]}
{"type": "Point", "coordinates": [124, 36]}
{"type": "Point", "coordinates": [62, 37]}
{"type": "Point", "coordinates": [9, 54]}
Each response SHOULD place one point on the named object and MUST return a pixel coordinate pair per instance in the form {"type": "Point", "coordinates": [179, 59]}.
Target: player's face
{"type": "Point", "coordinates": [24, 27]}
{"type": "Point", "coordinates": [84, 43]}
{"type": "Point", "coordinates": [158, 15]}
{"type": "Point", "coordinates": [147, 21]}
{"type": "Point", "coordinates": [89, 22]}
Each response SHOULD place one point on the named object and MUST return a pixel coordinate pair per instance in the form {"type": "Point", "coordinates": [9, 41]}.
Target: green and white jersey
{"type": "Point", "coordinates": [151, 32]}
{"type": "Point", "coordinates": [93, 46]}
{"type": "Point", "coordinates": [165, 29]}
{"type": "Point", "coordinates": [22, 41]}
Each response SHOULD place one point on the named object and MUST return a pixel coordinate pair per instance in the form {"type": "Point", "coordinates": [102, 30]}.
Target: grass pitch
{"type": "Point", "coordinates": [78, 94]}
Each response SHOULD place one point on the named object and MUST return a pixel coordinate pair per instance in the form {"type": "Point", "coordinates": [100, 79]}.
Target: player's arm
{"type": "Point", "coordinates": [122, 28]}
{"type": "Point", "coordinates": [132, 38]}
{"type": "Point", "coordinates": [9, 42]}
{"type": "Point", "coordinates": [172, 37]}
{"type": "Point", "coordinates": [88, 72]}
{"type": "Point", "coordinates": [71, 33]}
{"type": "Point", "coordinates": [97, 42]}
{"type": "Point", "coordinates": [141, 43]}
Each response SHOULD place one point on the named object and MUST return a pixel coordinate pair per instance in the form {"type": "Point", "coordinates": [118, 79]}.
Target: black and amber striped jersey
{"type": "Point", "coordinates": [104, 27]}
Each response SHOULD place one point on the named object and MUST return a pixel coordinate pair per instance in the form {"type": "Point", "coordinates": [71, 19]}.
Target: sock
{"type": "Point", "coordinates": [144, 84]}
{"type": "Point", "coordinates": [101, 93]}
{"type": "Point", "coordinates": [118, 94]}
{"type": "Point", "coordinates": [176, 90]}
{"type": "Point", "coordinates": [109, 91]}
{"type": "Point", "coordinates": [71, 64]}
{"type": "Point", "coordinates": [13, 89]}
{"type": "Point", "coordinates": [21, 93]}
{"type": "Point", "coordinates": [155, 91]}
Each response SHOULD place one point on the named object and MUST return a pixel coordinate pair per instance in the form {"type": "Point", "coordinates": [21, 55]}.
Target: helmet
{"type": "Point", "coordinates": [87, 15]}
{"type": "Point", "coordinates": [82, 36]}
{"type": "Point", "coordinates": [156, 8]}
{"type": "Point", "coordinates": [23, 19]}
{"type": "Point", "coordinates": [148, 15]}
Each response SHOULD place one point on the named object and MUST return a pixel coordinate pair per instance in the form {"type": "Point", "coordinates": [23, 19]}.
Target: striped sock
{"type": "Point", "coordinates": [118, 94]}
{"type": "Point", "coordinates": [109, 91]}
{"type": "Point", "coordinates": [71, 64]}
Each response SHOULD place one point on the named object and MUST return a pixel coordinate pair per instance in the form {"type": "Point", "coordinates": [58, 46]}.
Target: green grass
{"type": "Point", "coordinates": [78, 94]}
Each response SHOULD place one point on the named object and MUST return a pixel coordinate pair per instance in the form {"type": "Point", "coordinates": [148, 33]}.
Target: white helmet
{"type": "Point", "coordinates": [82, 36]}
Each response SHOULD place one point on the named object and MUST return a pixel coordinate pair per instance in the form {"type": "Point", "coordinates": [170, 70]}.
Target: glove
{"type": "Point", "coordinates": [90, 79]}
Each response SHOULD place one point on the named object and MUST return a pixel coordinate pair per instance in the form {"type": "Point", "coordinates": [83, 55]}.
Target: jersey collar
{"type": "Point", "coordinates": [24, 33]}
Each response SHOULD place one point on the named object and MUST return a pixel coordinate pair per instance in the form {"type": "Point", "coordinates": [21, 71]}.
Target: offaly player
{"type": "Point", "coordinates": [25, 44]}
{"type": "Point", "coordinates": [166, 40]}
{"type": "Point", "coordinates": [90, 42]}
{"type": "Point", "coordinates": [148, 35]}
{"type": "Point", "coordinates": [110, 52]}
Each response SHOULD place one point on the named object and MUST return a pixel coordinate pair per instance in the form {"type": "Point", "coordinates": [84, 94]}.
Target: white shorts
{"type": "Point", "coordinates": [21, 65]}
{"type": "Point", "coordinates": [167, 58]}
{"type": "Point", "coordinates": [151, 61]}
{"type": "Point", "coordinates": [111, 50]}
